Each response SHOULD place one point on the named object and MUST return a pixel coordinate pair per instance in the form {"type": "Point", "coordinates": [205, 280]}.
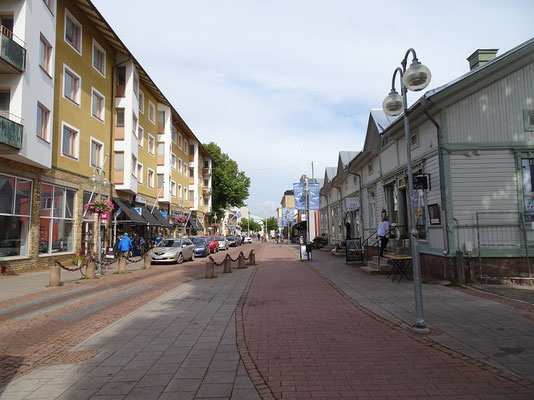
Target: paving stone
{"type": "Point", "coordinates": [77, 394]}
{"type": "Point", "coordinates": [48, 392]}
{"type": "Point", "coordinates": [177, 396]}
{"type": "Point", "coordinates": [190, 372]}
{"type": "Point", "coordinates": [183, 385]}
{"type": "Point", "coordinates": [214, 390]}
{"type": "Point", "coordinates": [245, 394]}
{"type": "Point", "coordinates": [115, 388]}
{"type": "Point", "coordinates": [128, 375]}
{"type": "Point", "coordinates": [243, 382]}
{"type": "Point", "coordinates": [222, 366]}
{"type": "Point", "coordinates": [219, 377]}
{"type": "Point", "coordinates": [145, 393]}
{"type": "Point", "coordinates": [155, 380]}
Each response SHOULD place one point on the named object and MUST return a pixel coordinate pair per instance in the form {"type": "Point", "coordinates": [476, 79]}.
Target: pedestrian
{"type": "Point", "coordinates": [382, 232]}
{"type": "Point", "coordinates": [125, 245]}
{"type": "Point", "coordinates": [159, 238]}
{"type": "Point", "coordinates": [141, 246]}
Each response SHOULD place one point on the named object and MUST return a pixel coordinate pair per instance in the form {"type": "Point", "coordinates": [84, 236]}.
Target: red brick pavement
{"type": "Point", "coordinates": [306, 340]}
{"type": "Point", "coordinates": [43, 340]}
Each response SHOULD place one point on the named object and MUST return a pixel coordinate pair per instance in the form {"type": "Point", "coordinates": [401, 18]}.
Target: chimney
{"type": "Point", "coordinates": [481, 57]}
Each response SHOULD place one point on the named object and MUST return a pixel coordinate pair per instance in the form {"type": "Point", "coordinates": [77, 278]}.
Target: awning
{"type": "Point", "coordinates": [151, 219]}
{"type": "Point", "coordinates": [130, 212]}
{"type": "Point", "coordinates": [195, 223]}
{"type": "Point", "coordinates": [301, 226]}
{"type": "Point", "coordinates": [163, 222]}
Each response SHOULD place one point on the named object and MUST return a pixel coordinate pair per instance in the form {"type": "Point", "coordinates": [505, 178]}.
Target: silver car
{"type": "Point", "coordinates": [175, 250]}
{"type": "Point", "coordinates": [223, 243]}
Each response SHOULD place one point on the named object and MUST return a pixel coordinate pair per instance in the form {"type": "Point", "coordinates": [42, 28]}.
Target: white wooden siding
{"type": "Point", "coordinates": [494, 114]}
{"type": "Point", "coordinates": [389, 159]}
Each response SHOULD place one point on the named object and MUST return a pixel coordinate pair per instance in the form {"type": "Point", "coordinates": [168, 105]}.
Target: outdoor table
{"type": "Point", "coordinates": [358, 253]}
{"type": "Point", "coordinates": [400, 264]}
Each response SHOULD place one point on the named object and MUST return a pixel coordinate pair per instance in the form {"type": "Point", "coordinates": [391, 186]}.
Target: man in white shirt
{"type": "Point", "coordinates": [382, 232]}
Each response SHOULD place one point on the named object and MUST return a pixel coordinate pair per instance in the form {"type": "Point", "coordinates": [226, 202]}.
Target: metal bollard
{"type": "Point", "coordinates": [122, 265]}
{"type": "Point", "coordinates": [148, 262]}
{"type": "Point", "coordinates": [90, 270]}
{"type": "Point", "coordinates": [55, 276]}
{"type": "Point", "coordinates": [252, 258]}
{"type": "Point", "coordinates": [227, 264]}
{"type": "Point", "coordinates": [241, 261]}
{"type": "Point", "coordinates": [210, 269]}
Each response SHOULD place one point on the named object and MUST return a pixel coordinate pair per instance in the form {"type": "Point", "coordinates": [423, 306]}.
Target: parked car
{"type": "Point", "coordinates": [223, 243]}
{"type": "Point", "coordinates": [174, 250]}
{"type": "Point", "coordinates": [238, 240]}
{"type": "Point", "coordinates": [202, 247]}
{"type": "Point", "coordinates": [247, 239]}
{"type": "Point", "coordinates": [232, 241]}
{"type": "Point", "coordinates": [213, 243]}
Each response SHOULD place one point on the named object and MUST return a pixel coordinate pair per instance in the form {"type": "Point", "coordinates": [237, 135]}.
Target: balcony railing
{"type": "Point", "coordinates": [12, 50]}
{"type": "Point", "coordinates": [11, 128]}
{"type": "Point", "coordinates": [206, 190]}
{"type": "Point", "coordinates": [206, 171]}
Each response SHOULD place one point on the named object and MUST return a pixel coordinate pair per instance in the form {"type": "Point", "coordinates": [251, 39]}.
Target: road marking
{"type": "Point", "coordinates": [91, 308]}
{"type": "Point", "coordinates": [43, 300]}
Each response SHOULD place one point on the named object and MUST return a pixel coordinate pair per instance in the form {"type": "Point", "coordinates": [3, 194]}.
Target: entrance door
{"type": "Point", "coordinates": [403, 220]}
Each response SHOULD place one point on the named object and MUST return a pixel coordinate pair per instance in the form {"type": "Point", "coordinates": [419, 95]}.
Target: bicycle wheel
{"type": "Point", "coordinates": [84, 265]}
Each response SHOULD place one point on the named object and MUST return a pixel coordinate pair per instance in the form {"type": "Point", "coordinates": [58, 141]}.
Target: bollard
{"type": "Point", "coordinates": [55, 276]}
{"type": "Point", "coordinates": [90, 270]}
{"type": "Point", "coordinates": [148, 262]}
{"type": "Point", "coordinates": [227, 264]}
{"type": "Point", "coordinates": [252, 258]}
{"type": "Point", "coordinates": [210, 269]}
{"type": "Point", "coordinates": [241, 261]}
{"type": "Point", "coordinates": [122, 265]}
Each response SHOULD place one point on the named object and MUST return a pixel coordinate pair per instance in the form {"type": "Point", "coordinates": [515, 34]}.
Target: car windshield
{"type": "Point", "coordinates": [220, 238]}
{"type": "Point", "coordinates": [198, 240]}
{"type": "Point", "coordinates": [210, 238]}
{"type": "Point", "coordinates": [230, 237]}
{"type": "Point", "coordinates": [170, 243]}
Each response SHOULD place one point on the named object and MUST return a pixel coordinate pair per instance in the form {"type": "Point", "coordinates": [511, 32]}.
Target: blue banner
{"type": "Point", "coordinates": [280, 221]}
{"type": "Point", "coordinates": [314, 196]}
{"type": "Point", "coordinates": [300, 196]}
{"type": "Point", "coordinates": [291, 215]}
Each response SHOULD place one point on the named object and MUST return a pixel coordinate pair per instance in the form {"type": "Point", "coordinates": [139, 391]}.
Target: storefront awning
{"type": "Point", "coordinates": [301, 226]}
{"type": "Point", "coordinates": [164, 223]}
{"type": "Point", "coordinates": [130, 212]}
{"type": "Point", "coordinates": [151, 219]}
{"type": "Point", "coordinates": [195, 223]}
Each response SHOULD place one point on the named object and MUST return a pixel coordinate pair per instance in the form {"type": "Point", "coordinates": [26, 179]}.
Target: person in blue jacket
{"type": "Point", "coordinates": [125, 245]}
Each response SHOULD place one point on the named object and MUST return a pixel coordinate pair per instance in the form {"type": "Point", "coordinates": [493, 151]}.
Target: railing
{"type": "Point", "coordinates": [11, 129]}
{"type": "Point", "coordinates": [206, 171]}
{"type": "Point", "coordinates": [206, 189]}
{"type": "Point", "coordinates": [12, 49]}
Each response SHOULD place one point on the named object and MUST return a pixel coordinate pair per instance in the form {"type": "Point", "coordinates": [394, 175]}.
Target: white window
{"type": "Point", "coordinates": [119, 161]}
{"type": "Point", "coordinates": [370, 169]}
{"type": "Point", "coordinates": [139, 173]}
{"type": "Point", "coordinates": [48, 4]}
{"type": "Point", "coordinates": [97, 153]}
{"type": "Point", "coordinates": [173, 161]}
{"type": "Point", "coordinates": [134, 125]}
{"type": "Point", "coordinates": [186, 147]}
{"type": "Point", "coordinates": [73, 32]}
{"type": "Point", "coordinates": [173, 135]}
{"type": "Point", "coordinates": [180, 141]}
{"type": "Point", "coordinates": [161, 149]}
{"type": "Point", "coordinates": [45, 55]}
{"type": "Point", "coordinates": [98, 104]}
{"type": "Point", "coordinates": [151, 144]}
{"type": "Point", "coordinates": [140, 136]}
{"type": "Point", "coordinates": [180, 191]}
{"type": "Point", "coordinates": [141, 102]}
{"type": "Point", "coordinates": [173, 188]}
{"type": "Point", "coordinates": [43, 118]}
{"type": "Point", "coordinates": [72, 83]}
{"type": "Point", "coordinates": [185, 194]}
{"type": "Point", "coordinates": [180, 166]}
{"type": "Point", "coordinates": [414, 140]}
{"type": "Point", "coordinates": [161, 180]}
{"type": "Point", "coordinates": [134, 166]}
{"type": "Point", "coordinates": [151, 112]}
{"type": "Point", "coordinates": [70, 138]}
{"type": "Point", "coordinates": [150, 178]}
{"type": "Point", "coordinates": [56, 231]}
{"type": "Point", "coordinates": [99, 58]}
{"type": "Point", "coordinates": [136, 86]}
{"type": "Point", "coordinates": [185, 169]}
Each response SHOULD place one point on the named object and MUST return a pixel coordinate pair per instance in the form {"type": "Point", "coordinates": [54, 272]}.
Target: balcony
{"type": "Point", "coordinates": [11, 128]}
{"type": "Point", "coordinates": [191, 158]}
{"type": "Point", "coordinates": [12, 52]}
{"type": "Point", "coordinates": [206, 171]}
{"type": "Point", "coordinates": [206, 190]}
{"type": "Point", "coordinates": [191, 180]}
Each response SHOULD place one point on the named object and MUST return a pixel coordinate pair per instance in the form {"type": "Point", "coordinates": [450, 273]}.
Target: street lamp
{"type": "Point", "coordinates": [99, 178]}
{"type": "Point", "coordinates": [307, 193]}
{"type": "Point", "coordinates": [415, 78]}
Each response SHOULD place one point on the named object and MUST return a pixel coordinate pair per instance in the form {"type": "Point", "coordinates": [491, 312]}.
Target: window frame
{"type": "Point", "coordinates": [48, 52]}
{"type": "Point", "coordinates": [77, 141]}
{"type": "Point", "coordinates": [174, 164]}
{"type": "Point", "coordinates": [47, 125]}
{"type": "Point", "coordinates": [153, 150]}
{"type": "Point", "coordinates": [115, 153]}
{"type": "Point", "coordinates": [173, 188]}
{"type": "Point", "coordinates": [140, 173]}
{"type": "Point", "coordinates": [73, 19]}
{"type": "Point", "coordinates": [140, 136]}
{"type": "Point", "coordinates": [78, 101]}
{"type": "Point", "coordinates": [98, 94]}
{"type": "Point", "coordinates": [150, 182]}
{"type": "Point", "coordinates": [151, 112]}
{"type": "Point", "coordinates": [101, 49]}
{"type": "Point", "coordinates": [526, 120]}
{"type": "Point", "coordinates": [133, 166]}
{"type": "Point", "coordinates": [102, 147]}
{"type": "Point", "coordinates": [141, 102]}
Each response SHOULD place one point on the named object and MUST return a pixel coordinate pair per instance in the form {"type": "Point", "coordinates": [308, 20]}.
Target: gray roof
{"type": "Point", "coordinates": [347, 156]}
{"type": "Point", "coordinates": [331, 172]}
{"type": "Point", "coordinates": [382, 120]}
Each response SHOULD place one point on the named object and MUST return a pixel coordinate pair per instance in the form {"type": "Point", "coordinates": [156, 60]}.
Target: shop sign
{"type": "Point", "coordinates": [352, 203]}
{"type": "Point", "coordinates": [420, 182]}
{"type": "Point", "coordinates": [139, 210]}
{"type": "Point", "coordinates": [164, 213]}
{"type": "Point", "coordinates": [140, 199]}
{"type": "Point", "coordinates": [402, 182]}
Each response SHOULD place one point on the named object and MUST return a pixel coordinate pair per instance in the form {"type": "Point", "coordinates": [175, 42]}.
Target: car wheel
{"type": "Point", "coordinates": [180, 258]}
{"type": "Point", "coordinates": [192, 256]}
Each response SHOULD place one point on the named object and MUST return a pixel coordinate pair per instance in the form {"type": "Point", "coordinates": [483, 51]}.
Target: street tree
{"type": "Point", "coordinates": [272, 224]}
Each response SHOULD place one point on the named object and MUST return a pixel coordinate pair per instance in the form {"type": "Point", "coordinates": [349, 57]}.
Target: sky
{"type": "Point", "coordinates": [281, 84]}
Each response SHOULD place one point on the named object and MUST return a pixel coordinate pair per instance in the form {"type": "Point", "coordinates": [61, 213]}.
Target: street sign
{"type": "Point", "coordinates": [420, 182]}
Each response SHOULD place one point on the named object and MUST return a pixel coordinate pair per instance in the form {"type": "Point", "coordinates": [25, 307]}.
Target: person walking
{"type": "Point", "coordinates": [125, 245]}
{"type": "Point", "coordinates": [382, 232]}
{"type": "Point", "coordinates": [142, 248]}
{"type": "Point", "coordinates": [159, 238]}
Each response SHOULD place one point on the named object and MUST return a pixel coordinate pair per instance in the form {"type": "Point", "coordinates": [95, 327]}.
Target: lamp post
{"type": "Point", "coordinates": [415, 78]}
{"type": "Point", "coordinates": [307, 210]}
{"type": "Point", "coordinates": [99, 177]}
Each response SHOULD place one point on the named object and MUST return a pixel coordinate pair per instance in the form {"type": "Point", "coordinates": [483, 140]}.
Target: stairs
{"type": "Point", "coordinates": [377, 266]}
{"type": "Point", "coordinates": [339, 252]}
{"type": "Point", "coordinates": [327, 248]}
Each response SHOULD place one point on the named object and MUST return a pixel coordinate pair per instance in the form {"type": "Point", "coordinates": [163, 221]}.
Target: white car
{"type": "Point", "coordinates": [247, 239]}
{"type": "Point", "coordinates": [223, 243]}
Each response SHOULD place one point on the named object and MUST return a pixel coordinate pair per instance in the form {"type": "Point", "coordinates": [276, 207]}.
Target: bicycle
{"type": "Point", "coordinates": [100, 267]}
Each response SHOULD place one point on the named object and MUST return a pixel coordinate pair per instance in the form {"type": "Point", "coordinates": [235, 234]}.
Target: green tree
{"type": "Point", "coordinates": [229, 184]}
{"type": "Point", "coordinates": [272, 224]}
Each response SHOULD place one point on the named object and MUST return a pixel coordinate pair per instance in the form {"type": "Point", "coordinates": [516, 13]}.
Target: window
{"type": "Point", "coordinates": [119, 161]}
{"type": "Point", "coordinates": [43, 116]}
{"type": "Point", "coordinates": [173, 161]}
{"type": "Point", "coordinates": [173, 188]}
{"type": "Point", "coordinates": [372, 209]}
{"type": "Point", "coordinates": [180, 141]}
{"type": "Point", "coordinates": [191, 172]}
{"type": "Point", "coordinates": [186, 168]}
{"type": "Point", "coordinates": [134, 125]}
{"type": "Point", "coordinates": [419, 203]}
{"type": "Point", "coordinates": [528, 119]}
{"type": "Point", "coordinates": [160, 181]}
{"type": "Point", "coordinates": [180, 166]}
{"type": "Point", "coordinates": [206, 182]}
{"type": "Point", "coordinates": [151, 112]}
{"type": "Point", "coordinates": [191, 195]}
{"type": "Point", "coordinates": [414, 140]}
{"type": "Point", "coordinates": [45, 55]}
{"type": "Point", "coordinates": [48, 3]}
{"type": "Point", "coordinates": [191, 148]}
{"type": "Point", "coordinates": [5, 95]}
{"type": "Point", "coordinates": [134, 166]}
{"type": "Point", "coordinates": [73, 32]}
{"type": "Point", "coordinates": [121, 82]}
{"type": "Point", "coordinates": [370, 169]}
{"type": "Point", "coordinates": [150, 178]}
{"type": "Point", "coordinates": [15, 211]}
{"type": "Point", "coordinates": [99, 58]}
{"type": "Point", "coordinates": [97, 153]}
{"type": "Point", "coordinates": [174, 136]}
{"type": "Point", "coordinates": [180, 191]}
{"type": "Point", "coordinates": [97, 104]}
{"type": "Point", "coordinates": [140, 136]}
{"type": "Point", "coordinates": [151, 144]}
{"type": "Point", "coordinates": [69, 141]}
{"type": "Point", "coordinates": [206, 202]}
{"type": "Point", "coordinates": [71, 85]}
{"type": "Point", "coordinates": [161, 149]}
{"type": "Point", "coordinates": [120, 118]}
{"type": "Point", "coordinates": [136, 86]}
{"type": "Point", "coordinates": [185, 194]}
{"type": "Point", "coordinates": [139, 173]}
{"type": "Point", "coordinates": [56, 232]}
{"type": "Point", "coordinates": [141, 102]}
{"type": "Point", "coordinates": [161, 118]}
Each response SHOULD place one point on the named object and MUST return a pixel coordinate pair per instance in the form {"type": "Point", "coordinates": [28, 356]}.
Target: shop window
{"type": "Point", "coordinates": [15, 210]}
{"type": "Point", "coordinates": [56, 232]}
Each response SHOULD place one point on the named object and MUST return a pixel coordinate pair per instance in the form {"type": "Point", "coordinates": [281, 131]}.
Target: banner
{"type": "Point", "coordinates": [280, 222]}
{"type": "Point", "coordinates": [291, 215]}
{"type": "Point", "coordinates": [314, 196]}
{"type": "Point", "coordinates": [352, 203]}
{"type": "Point", "coordinates": [300, 196]}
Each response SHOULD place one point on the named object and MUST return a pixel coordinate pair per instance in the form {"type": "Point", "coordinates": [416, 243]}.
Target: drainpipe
{"type": "Point", "coordinates": [442, 188]}
{"type": "Point", "coordinates": [361, 199]}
